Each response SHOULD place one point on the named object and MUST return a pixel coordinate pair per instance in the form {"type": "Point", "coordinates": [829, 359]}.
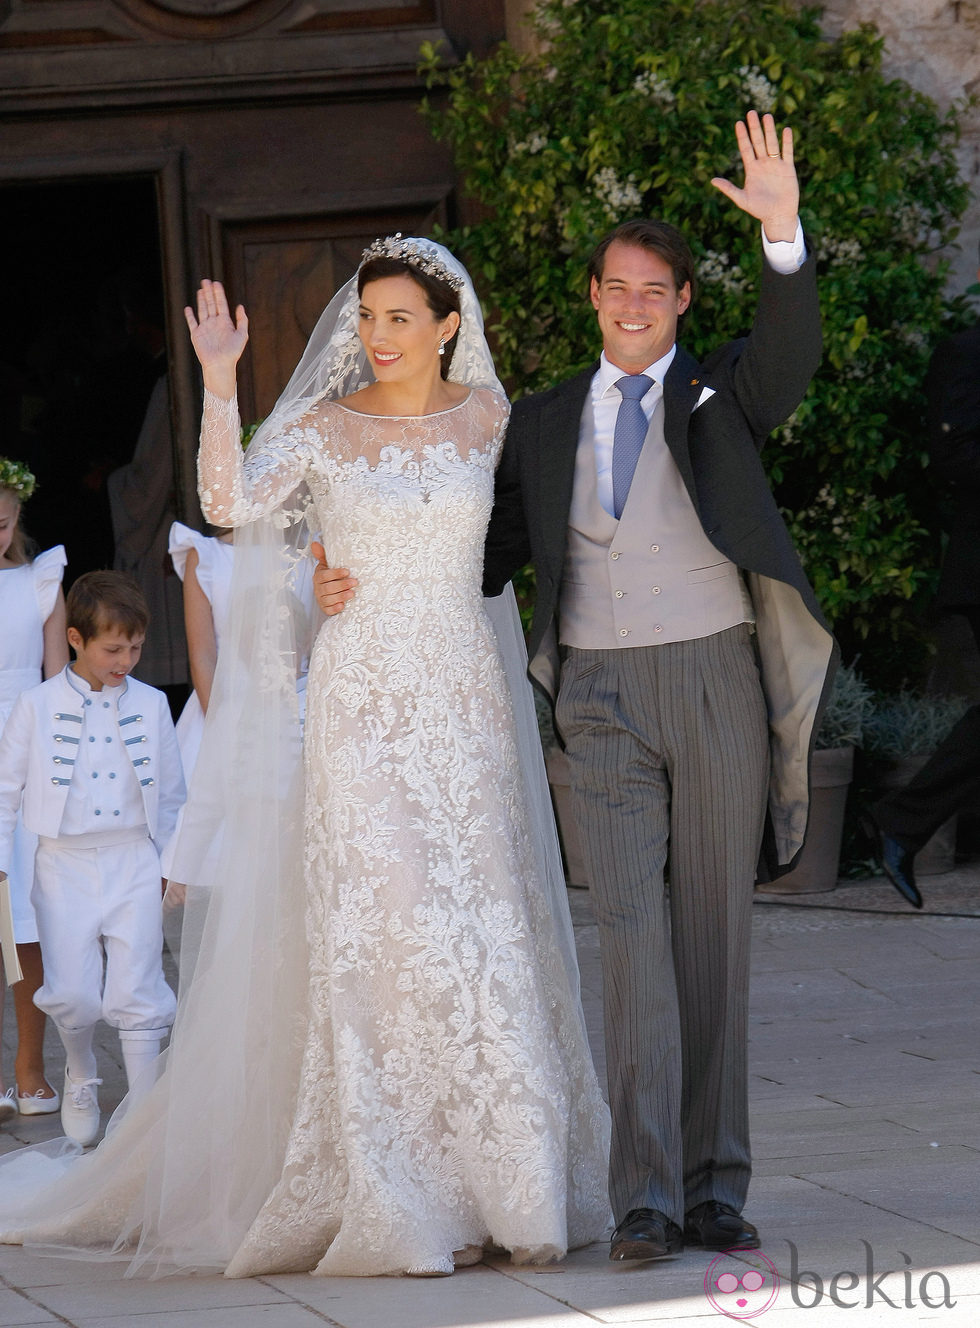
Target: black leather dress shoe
{"type": "Point", "coordinates": [645, 1234]}
{"type": "Point", "coordinates": [716, 1226]}
{"type": "Point", "coordinates": [896, 862]}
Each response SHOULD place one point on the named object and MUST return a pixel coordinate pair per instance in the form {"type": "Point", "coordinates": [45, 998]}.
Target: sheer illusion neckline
{"type": "Point", "coordinates": [433, 414]}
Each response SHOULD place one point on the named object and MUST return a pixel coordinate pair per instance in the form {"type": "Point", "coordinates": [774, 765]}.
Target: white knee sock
{"type": "Point", "coordinates": [138, 1055]}
{"type": "Point", "coordinates": [78, 1051]}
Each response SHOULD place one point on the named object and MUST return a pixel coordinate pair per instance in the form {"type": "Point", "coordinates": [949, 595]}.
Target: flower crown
{"type": "Point", "coordinates": [421, 255]}
{"type": "Point", "coordinates": [15, 476]}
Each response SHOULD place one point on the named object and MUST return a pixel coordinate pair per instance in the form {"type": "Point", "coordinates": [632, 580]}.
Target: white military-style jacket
{"type": "Point", "coordinates": [39, 746]}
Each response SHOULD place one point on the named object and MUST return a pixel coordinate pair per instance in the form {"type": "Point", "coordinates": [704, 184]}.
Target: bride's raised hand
{"type": "Point", "coordinates": [218, 340]}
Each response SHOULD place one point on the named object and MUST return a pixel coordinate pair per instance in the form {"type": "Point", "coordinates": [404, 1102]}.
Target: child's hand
{"type": "Point", "coordinates": [174, 894]}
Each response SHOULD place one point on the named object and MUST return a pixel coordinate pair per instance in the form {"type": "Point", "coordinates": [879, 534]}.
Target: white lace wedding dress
{"type": "Point", "coordinates": [446, 1098]}
{"type": "Point", "coordinates": [404, 1073]}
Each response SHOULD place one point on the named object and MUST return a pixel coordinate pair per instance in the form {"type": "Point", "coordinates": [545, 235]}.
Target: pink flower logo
{"type": "Point", "coordinates": [741, 1288]}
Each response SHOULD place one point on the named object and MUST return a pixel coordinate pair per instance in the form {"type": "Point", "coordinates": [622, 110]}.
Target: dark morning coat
{"type": "Point", "coordinates": [758, 381]}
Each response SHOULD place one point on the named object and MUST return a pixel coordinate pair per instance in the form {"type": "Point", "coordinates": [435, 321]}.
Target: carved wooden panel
{"type": "Point", "coordinates": [63, 56]}
{"type": "Point", "coordinates": [46, 23]}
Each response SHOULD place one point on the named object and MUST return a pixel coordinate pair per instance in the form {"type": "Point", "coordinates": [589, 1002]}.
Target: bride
{"type": "Point", "coordinates": [379, 1063]}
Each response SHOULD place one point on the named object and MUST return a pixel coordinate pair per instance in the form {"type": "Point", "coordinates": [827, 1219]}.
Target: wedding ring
{"type": "Point", "coordinates": [772, 154]}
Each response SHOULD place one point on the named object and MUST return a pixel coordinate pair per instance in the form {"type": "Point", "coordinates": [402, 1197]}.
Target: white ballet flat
{"type": "Point", "coordinates": [8, 1107]}
{"type": "Point", "coordinates": [434, 1268]}
{"type": "Point", "coordinates": [33, 1104]}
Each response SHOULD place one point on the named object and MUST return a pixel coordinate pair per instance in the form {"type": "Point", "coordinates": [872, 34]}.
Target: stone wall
{"type": "Point", "coordinates": [935, 46]}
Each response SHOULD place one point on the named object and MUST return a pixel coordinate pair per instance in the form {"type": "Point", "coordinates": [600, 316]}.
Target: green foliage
{"type": "Point", "coordinates": [248, 431]}
{"type": "Point", "coordinates": [848, 710]}
{"type": "Point", "coordinates": [910, 724]}
{"type": "Point", "coordinates": [629, 110]}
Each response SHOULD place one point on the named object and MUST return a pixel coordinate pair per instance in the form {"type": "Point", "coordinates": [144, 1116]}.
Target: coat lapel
{"type": "Point", "coordinates": [682, 388]}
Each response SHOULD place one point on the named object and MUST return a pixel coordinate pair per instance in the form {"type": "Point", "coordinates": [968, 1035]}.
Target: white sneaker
{"type": "Point", "coordinates": [8, 1106]}
{"type": "Point", "coordinates": [80, 1115]}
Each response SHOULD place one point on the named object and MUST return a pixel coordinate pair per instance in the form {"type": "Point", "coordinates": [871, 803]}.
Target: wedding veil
{"type": "Point", "coordinates": [181, 1175]}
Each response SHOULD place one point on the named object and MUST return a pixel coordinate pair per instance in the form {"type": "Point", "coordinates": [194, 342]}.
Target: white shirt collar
{"type": "Point", "coordinates": [609, 374]}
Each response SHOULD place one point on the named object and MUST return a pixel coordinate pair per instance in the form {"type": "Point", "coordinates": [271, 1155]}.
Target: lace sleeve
{"type": "Point", "coordinates": [496, 410]}
{"type": "Point", "coordinates": [237, 488]}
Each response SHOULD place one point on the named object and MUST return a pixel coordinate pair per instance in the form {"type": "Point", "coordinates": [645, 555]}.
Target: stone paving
{"type": "Point", "coordinates": [865, 1058]}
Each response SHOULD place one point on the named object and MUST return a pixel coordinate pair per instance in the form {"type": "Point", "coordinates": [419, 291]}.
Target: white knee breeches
{"type": "Point", "coordinates": [99, 921]}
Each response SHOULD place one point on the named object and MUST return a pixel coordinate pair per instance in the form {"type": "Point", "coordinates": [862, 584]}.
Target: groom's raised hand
{"type": "Point", "coordinates": [771, 190]}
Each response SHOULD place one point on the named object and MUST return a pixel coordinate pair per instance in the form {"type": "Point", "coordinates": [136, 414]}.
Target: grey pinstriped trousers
{"type": "Point", "coordinates": [669, 757]}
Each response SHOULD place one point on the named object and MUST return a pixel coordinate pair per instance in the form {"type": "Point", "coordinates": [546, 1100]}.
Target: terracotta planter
{"type": "Point", "coordinates": [818, 866]}
{"type": "Point", "coordinates": [556, 764]}
{"type": "Point", "coordinates": [939, 854]}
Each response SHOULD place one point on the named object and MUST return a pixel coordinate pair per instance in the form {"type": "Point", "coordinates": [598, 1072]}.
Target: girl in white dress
{"type": "Point", "coordinates": [380, 1063]}
{"type": "Point", "coordinates": [33, 647]}
{"type": "Point", "coordinates": [205, 564]}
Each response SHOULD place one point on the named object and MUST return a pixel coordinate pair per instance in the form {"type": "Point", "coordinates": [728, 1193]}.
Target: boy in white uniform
{"type": "Point", "coordinates": [91, 757]}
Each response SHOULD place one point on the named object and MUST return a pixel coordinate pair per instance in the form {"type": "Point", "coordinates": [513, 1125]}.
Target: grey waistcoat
{"type": "Point", "coordinates": [652, 576]}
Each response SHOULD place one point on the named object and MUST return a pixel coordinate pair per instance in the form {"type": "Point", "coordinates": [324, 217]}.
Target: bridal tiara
{"type": "Point", "coordinates": [421, 255]}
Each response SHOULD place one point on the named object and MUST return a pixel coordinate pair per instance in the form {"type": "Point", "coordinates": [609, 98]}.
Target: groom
{"type": "Point", "coordinates": [688, 658]}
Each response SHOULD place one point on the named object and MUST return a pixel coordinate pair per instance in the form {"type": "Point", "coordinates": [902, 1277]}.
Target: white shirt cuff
{"type": "Point", "coordinates": [785, 256]}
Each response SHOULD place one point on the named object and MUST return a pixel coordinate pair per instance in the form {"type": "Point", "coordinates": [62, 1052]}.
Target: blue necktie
{"type": "Point", "coordinates": [631, 429]}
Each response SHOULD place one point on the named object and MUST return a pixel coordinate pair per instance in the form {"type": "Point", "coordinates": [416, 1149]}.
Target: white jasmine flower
{"type": "Point", "coordinates": [837, 250]}
{"type": "Point", "coordinates": [757, 87]}
{"type": "Point", "coordinates": [911, 223]}
{"type": "Point", "coordinates": [717, 269]}
{"type": "Point", "coordinates": [656, 88]}
{"type": "Point", "coordinates": [616, 195]}
{"type": "Point", "coordinates": [911, 336]}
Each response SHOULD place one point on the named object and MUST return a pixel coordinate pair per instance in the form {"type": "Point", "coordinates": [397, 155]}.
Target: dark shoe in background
{"type": "Point", "coordinates": [896, 862]}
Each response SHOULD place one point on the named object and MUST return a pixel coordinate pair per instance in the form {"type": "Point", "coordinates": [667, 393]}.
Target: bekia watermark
{"type": "Point", "coordinates": [741, 1287]}
{"type": "Point", "coordinates": [746, 1284]}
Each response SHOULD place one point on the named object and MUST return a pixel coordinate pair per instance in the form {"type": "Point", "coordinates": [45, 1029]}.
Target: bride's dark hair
{"type": "Point", "coordinates": [439, 295]}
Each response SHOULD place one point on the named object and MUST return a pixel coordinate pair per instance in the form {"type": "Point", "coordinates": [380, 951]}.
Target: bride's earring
{"type": "Point", "coordinates": [442, 345]}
